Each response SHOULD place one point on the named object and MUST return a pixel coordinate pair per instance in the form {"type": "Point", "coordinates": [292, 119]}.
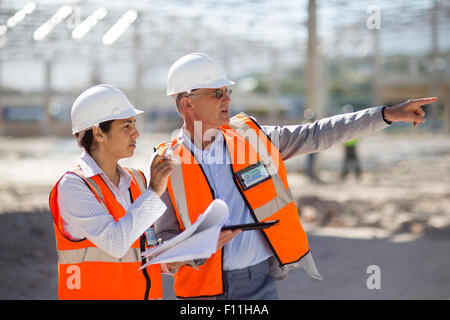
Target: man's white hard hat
{"type": "Point", "coordinates": [98, 104]}
{"type": "Point", "coordinates": [195, 71]}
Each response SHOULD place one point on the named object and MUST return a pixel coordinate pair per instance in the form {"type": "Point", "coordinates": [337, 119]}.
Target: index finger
{"type": "Point", "coordinates": [423, 101]}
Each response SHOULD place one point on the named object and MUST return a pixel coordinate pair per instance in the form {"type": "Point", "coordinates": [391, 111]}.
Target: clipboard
{"type": "Point", "coordinates": [251, 226]}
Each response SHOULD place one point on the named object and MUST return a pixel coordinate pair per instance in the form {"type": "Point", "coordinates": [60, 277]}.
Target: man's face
{"type": "Point", "coordinates": [213, 112]}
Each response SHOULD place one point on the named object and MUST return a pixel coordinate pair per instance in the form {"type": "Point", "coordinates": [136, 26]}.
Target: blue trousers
{"type": "Point", "coordinates": [252, 283]}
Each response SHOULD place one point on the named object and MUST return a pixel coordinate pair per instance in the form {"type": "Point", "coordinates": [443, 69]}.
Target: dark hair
{"type": "Point", "coordinates": [88, 138]}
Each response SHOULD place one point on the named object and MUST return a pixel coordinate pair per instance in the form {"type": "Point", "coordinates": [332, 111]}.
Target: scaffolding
{"type": "Point", "coordinates": [145, 37]}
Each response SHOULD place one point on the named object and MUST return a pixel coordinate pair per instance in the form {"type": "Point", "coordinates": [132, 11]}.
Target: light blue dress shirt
{"type": "Point", "coordinates": [216, 163]}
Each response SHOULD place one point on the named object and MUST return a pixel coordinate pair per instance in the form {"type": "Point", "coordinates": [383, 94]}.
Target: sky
{"type": "Point", "coordinates": [216, 25]}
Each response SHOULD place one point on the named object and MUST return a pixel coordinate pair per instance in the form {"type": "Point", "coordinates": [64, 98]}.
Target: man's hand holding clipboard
{"type": "Point", "coordinates": [251, 226]}
{"type": "Point", "coordinates": [229, 232]}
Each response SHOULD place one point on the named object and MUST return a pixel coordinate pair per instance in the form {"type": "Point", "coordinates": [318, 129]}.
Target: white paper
{"type": "Point", "coordinates": [199, 241]}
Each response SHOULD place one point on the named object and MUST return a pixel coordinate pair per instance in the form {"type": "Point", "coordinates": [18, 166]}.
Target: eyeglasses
{"type": "Point", "coordinates": [218, 93]}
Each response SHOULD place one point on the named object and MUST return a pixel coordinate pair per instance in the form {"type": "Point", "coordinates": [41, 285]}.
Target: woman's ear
{"type": "Point", "coordinates": [98, 134]}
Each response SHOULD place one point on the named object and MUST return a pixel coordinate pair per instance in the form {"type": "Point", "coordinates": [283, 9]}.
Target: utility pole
{"type": "Point", "coordinates": [2, 121]}
{"type": "Point", "coordinates": [377, 99]}
{"type": "Point", "coordinates": [436, 72]}
{"type": "Point", "coordinates": [312, 82]}
{"type": "Point", "coordinates": [312, 72]}
{"type": "Point", "coordinates": [46, 123]}
{"type": "Point", "coordinates": [138, 66]}
{"type": "Point", "coordinates": [95, 67]}
{"type": "Point", "coordinates": [274, 89]}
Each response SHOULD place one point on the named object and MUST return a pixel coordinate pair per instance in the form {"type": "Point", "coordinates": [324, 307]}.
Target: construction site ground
{"type": "Point", "coordinates": [395, 217]}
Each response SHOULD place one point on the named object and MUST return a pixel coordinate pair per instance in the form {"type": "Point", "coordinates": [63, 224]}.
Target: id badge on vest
{"type": "Point", "coordinates": [252, 175]}
{"type": "Point", "coordinates": [150, 234]}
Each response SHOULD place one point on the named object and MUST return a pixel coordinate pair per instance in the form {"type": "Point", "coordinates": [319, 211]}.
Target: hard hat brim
{"type": "Point", "coordinates": [123, 115]}
{"type": "Point", "coordinates": [212, 85]}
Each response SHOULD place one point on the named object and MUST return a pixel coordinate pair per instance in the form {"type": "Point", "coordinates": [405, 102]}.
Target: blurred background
{"type": "Point", "coordinates": [382, 199]}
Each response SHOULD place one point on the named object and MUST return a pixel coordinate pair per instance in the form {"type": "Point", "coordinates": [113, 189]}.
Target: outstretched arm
{"type": "Point", "coordinates": [296, 140]}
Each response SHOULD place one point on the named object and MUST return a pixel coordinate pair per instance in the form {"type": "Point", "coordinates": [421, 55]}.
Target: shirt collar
{"type": "Point", "coordinates": [218, 141]}
{"type": "Point", "coordinates": [90, 168]}
{"type": "Point", "coordinates": [216, 152]}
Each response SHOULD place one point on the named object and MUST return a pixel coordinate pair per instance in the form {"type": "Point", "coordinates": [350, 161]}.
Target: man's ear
{"type": "Point", "coordinates": [185, 104]}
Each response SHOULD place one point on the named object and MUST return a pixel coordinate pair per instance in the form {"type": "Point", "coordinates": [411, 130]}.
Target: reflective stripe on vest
{"type": "Point", "coordinates": [191, 193]}
{"type": "Point", "coordinates": [94, 254]}
{"type": "Point", "coordinates": [180, 202]}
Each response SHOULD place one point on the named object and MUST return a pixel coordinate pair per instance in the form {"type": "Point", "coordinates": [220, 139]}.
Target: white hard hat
{"type": "Point", "coordinates": [195, 71]}
{"type": "Point", "coordinates": [98, 104]}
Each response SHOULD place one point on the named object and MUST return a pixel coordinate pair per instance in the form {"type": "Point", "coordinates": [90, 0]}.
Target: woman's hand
{"type": "Point", "coordinates": [160, 170]}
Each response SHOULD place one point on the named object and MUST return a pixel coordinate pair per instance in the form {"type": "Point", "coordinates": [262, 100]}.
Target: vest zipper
{"type": "Point", "coordinates": [144, 271]}
{"type": "Point", "coordinates": [148, 282]}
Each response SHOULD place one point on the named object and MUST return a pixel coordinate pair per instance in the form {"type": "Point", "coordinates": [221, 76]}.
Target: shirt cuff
{"type": "Point", "coordinates": [382, 114]}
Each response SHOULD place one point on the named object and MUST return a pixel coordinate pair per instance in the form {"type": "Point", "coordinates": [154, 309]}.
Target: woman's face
{"type": "Point", "coordinates": [120, 141]}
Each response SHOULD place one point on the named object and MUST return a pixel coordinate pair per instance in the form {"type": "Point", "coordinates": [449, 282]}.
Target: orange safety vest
{"type": "Point", "coordinates": [88, 273]}
{"type": "Point", "coordinates": [269, 199]}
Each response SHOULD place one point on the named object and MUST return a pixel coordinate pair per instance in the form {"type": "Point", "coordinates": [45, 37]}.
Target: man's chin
{"type": "Point", "coordinates": [224, 121]}
{"type": "Point", "coordinates": [225, 116]}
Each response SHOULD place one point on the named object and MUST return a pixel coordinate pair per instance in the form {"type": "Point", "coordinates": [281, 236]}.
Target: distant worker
{"type": "Point", "coordinates": [351, 160]}
{"type": "Point", "coordinates": [241, 162]}
{"type": "Point", "coordinates": [103, 213]}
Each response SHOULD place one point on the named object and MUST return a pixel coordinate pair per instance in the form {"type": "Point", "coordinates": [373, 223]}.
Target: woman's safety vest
{"type": "Point", "coordinates": [260, 176]}
{"type": "Point", "coordinates": [85, 271]}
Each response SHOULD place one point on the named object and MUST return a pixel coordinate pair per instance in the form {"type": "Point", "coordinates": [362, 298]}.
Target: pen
{"type": "Point", "coordinates": [169, 151]}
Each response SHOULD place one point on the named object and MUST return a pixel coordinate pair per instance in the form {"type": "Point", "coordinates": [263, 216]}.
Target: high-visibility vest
{"type": "Point", "coordinates": [87, 272]}
{"type": "Point", "coordinates": [268, 199]}
{"type": "Point", "coordinates": [352, 143]}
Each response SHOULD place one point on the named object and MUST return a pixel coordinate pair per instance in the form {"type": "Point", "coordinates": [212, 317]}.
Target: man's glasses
{"type": "Point", "coordinates": [218, 93]}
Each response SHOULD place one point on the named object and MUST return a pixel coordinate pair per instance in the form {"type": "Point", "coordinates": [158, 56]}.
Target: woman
{"type": "Point", "coordinates": [104, 213]}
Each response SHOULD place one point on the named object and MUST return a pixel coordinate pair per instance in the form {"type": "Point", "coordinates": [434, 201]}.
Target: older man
{"type": "Point", "coordinates": [242, 163]}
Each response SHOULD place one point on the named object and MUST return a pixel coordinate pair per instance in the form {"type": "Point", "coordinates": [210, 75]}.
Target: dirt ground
{"type": "Point", "coordinates": [396, 217]}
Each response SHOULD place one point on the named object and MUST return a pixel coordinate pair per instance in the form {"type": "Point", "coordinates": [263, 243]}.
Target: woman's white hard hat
{"type": "Point", "coordinates": [195, 71]}
{"type": "Point", "coordinates": [98, 104]}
